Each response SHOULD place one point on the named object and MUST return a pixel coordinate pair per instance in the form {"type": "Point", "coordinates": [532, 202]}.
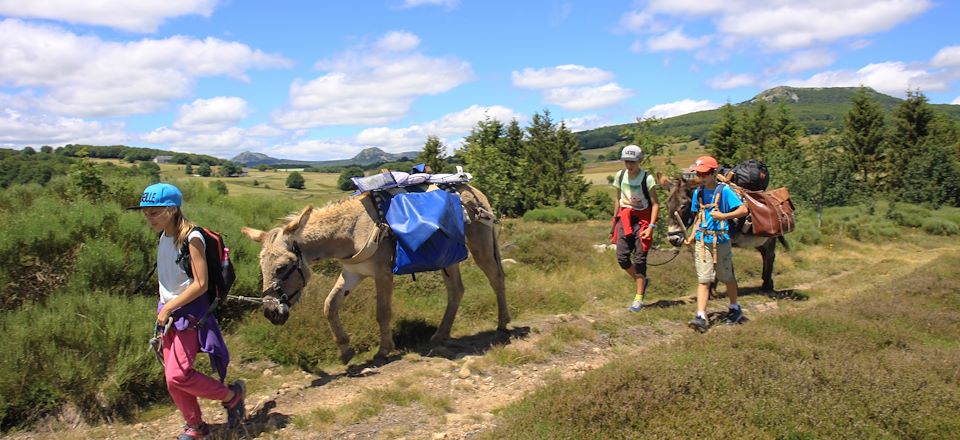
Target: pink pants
{"type": "Point", "coordinates": [183, 382]}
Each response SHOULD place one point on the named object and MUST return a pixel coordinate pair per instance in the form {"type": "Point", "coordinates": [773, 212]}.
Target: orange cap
{"type": "Point", "coordinates": [704, 164]}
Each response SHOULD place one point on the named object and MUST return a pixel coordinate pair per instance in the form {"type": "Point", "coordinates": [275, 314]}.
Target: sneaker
{"type": "Point", "coordinates": [636, 306]}
{"type": "Point", "coordinates": [191, 433]}
{"type": "Point", "coordinates": [734, 316]}
{"type": "Point", "coordinates": [699, 324]}
{"type": "Point", "coordinates": [236, 411]}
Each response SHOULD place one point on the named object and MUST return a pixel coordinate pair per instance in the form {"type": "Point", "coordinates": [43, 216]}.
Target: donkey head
{"type": "Point", "coordinates": [679, 195]}
{"type": "Point", "coordinates": [283, 266]}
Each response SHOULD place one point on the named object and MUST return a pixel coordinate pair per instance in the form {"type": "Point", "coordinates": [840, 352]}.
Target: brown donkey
{"type": "Point", "coordinates": [349, 231]}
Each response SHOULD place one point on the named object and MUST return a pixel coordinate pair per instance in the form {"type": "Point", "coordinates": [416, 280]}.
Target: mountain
{"type": "Point", "coordinates": [368, 156]}
{"type": "Point", "coordinates": [816, 109]}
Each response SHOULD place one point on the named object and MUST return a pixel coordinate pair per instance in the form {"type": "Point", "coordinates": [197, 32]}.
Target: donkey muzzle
{"type": "Point", "coordinates": [276, 312]}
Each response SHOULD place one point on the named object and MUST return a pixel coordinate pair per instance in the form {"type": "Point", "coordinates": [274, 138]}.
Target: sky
{"type": "Point", "coordinates": [320, 80]}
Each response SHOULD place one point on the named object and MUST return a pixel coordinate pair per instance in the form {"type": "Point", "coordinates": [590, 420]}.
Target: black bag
{"type": "Point", "coordinates": [751, 175]}
{"type": "Point", "coordinates": [220, 271]}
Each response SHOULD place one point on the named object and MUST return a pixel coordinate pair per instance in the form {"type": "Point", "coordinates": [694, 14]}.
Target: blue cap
{"type": "Point", "coordinates": [160, 194]}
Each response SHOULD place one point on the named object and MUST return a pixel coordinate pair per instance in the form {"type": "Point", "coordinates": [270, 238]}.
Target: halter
{"type": "Point", "coordinates": [276, 287]}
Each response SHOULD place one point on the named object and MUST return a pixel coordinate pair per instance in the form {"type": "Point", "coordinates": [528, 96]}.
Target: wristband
{"type": "Point", "coordinates": [652, 225]}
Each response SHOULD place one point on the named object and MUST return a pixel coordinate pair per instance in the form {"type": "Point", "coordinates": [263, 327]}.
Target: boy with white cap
{"type": "Point", "coordinates": [636, 210]}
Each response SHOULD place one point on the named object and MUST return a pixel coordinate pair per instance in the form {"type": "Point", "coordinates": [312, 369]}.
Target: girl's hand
{"type": "Point", "coordinates": [163, 316]}
{"type": "Point", "coordinates": [647, 232]}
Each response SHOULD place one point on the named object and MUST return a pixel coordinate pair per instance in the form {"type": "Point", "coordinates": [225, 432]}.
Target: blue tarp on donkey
{"type": "Point", "coordinates": [429, 231]}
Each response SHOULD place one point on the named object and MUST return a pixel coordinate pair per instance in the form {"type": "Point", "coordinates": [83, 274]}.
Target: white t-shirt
{"type": "Point", "coordinates": [173, 280]}
{"type": "Point", "coordinates": [631, 189]}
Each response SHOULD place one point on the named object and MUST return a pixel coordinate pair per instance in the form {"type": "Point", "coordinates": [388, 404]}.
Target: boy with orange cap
{"type": "Point", "coordinates": [714, 205]}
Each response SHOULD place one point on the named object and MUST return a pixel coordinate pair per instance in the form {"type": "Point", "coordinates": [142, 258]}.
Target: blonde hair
{"type": "Point", "coordinates": [184, 227]}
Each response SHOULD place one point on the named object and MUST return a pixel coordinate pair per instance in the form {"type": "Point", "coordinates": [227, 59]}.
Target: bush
{"type": "Point", "coordinates": [219, 187]}
{"type": "Point", "coordinates": [596, 205]}
{"type": "Point", "coordinates": [556, 214]}
{"type": "Point", "coordinates": [295, 181]}
{"type": "Point", "coordinates": [937, 226]}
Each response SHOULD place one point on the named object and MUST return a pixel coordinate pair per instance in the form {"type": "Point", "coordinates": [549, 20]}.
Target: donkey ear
{"type": "Point", "coordinates": [254, 234]}
{"type": "Point", "coordinates": [299, 221]}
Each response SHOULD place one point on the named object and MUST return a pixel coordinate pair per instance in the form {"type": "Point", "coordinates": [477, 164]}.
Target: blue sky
{"type": "Point", "coordinates": [318, 80]}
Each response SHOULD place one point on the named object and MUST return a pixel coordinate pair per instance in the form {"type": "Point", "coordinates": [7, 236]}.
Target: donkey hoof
{"type": "Point", "coordinates": [346, 354]}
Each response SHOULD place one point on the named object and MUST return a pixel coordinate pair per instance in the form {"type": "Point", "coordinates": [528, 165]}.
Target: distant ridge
{"type": "Point", "coordinates": [816, 109]}
{"type": "Point", "coordinates": [368, 156]}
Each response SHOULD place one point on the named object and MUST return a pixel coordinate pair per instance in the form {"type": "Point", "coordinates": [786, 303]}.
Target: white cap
{"type": "Point", "coordinates": [631, 153]}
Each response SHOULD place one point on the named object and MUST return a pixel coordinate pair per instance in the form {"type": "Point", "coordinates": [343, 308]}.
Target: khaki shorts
{"type": "Point", "coordinates": [707, 271]}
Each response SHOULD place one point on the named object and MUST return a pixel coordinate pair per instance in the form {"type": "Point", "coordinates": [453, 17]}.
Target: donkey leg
{"type": "Point", "coordinates": [384, 313]}
{"type": "Point", "coordinates": [331, 309]}
{"type": "Point", "coordinates": [482, 242]}
{"type": "Point", "coordinates": [768, 251]}
{"type": "Point", "coordinates": [454, 283]}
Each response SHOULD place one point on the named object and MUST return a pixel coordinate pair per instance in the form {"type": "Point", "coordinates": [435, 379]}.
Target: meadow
{"type": "Point", "coordinates": [77, 331]}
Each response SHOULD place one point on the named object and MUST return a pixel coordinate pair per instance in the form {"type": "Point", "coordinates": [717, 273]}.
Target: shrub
{"type": "Point", "coordinates": [556, 214]}
{"type": "Point", "coordinates": [219, 187]}
{"type": "Point", "coordinates": [295, 181]}
{"type": "Point", "coordinates": [596, 205]}
{"type": "Point", "coordinates": [937, 226]}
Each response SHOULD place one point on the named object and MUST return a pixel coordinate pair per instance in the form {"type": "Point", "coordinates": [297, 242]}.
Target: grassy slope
{"type": "Point", "coordinates": [867, 359]}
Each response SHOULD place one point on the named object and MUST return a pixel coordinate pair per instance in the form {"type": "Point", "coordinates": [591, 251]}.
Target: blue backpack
{"type": "Point", "coordinates": [429, 230]}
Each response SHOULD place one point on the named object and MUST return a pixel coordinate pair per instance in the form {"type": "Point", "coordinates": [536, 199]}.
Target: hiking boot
{"type": "Point", "coordinates": [636, 306]}
{"type": "Point", "coordinates": [236, 411]}
{"type": "Point", "coordinates": [699, 324]}
{"type": "Point", "coordinates": [191, 433]}
{"type": "Point", "coordinates": [734, 316]}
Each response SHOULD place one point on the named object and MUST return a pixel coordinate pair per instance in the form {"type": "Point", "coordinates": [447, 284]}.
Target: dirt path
{"type": "Point", "coordinates": [471, 386]}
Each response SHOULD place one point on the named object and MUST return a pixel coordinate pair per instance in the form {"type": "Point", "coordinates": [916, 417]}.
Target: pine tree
{"type": "Point", "coordinates": [725, 137]}
{"type": "Point", "coordinates": [911, 127]}
{"type": "Point", "coordinates": [572, 186]}
{"type": "Point", "coordinates": [483, 160]}
{"type": "Point", "coordinates": [544, 160]}
{"type": "Point", "coordinates": [434, 154]}
{"type": "Point", "coordinates": [863, 135]}
{"type": "Point", "coordinates": [758, 133]}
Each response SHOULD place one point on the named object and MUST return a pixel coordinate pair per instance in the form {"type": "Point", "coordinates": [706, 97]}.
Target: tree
{"type": "Point", "coordinates": [572, 185]}
{"type": "Point", "coordinates": [204, 170]}
{"type": "Point", "coordinates": [434, 154]}
{"type": "Point", "coordinates": [86, 180]}
{"type": "Point", "coordinates": [229, 169]}
{"type": "Point", "coordinates": [863, 135]}
{"type": "Point", "coordinates": [150, 169]}
{"type": "Point", "coordinates": [46, 149]}
{"type": "Point", "coordinates": [912, 119]}
{"type": "Point", "coordinates": [726, 136]}
{"type": "Point", "coordinates": [344, 182]}
{"type": "Point", "coordinates": [642, 135]}
{"type": "Point", "coordinates": [188, 169]}
{"type": "Point", "coordinates": [295, 181]}
{"type": "Point", "coordinates": [758, 132]}
{"type": "Point", "coordinates": [484, 161]}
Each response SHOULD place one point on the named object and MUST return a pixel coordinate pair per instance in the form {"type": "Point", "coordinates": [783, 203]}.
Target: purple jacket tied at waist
{"type": "Point", "coordinates": [211, 340]}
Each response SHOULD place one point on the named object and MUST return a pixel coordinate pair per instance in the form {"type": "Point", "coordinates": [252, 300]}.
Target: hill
{"type": "Point", "coordinates": [816, 109]}
{"type": "Point", "coordinates": [366, 157]}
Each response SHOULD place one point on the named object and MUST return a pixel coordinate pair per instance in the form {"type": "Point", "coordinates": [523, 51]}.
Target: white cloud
{"type": "Point", "coordinates": [783, 25]}
{"type": "Point", "coordinates": [87, 76]}
{"type": "Point", "coordinates": [449, 4]}
{"type": "Point", "coordinates": [892, 78]}
{"type": "Point", "coordinates": [206, 115]}
{"type": "Point", "coordinates": [398, 41]}
{"type": "Point", "coordinates": [223, 143]}
{"type": "Point", "coordinates": [724, 82]}
{"type": "Point", "coordinates": [368, 86]}
{"type": "Point", "coordinates": [451, 128]}
{"type": "Point", "coordinates": [560, 76]}
{"type": "Point", "coordinates": [675, 40]}
{"type": "Point", "coordinates": [587, 122]}
{"type": "Point", "coordinates": [678, 108]}
{"type": "Point", "coordinates": [586, 98]}
{"type": "Point", "coordinates": [956, 101]}
{"type": "Point", "coordinates": [133, 16]}
{"type": "Point", "coordinates": [947, 57]}
{"type": "Point", "coordinates": [314, 150]}
{"type": "Point", "coordinates": [806, 60]}
{"type": "Point", "coordinates": [22, 129]}
{"type": "Point", "coordinates": [859, 44]}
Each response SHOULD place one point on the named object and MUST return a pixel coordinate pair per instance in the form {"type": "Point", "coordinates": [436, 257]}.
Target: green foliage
{"type": "Point", "coordinates": [643, 135]}
{"type": "Point", "coordinates": [133, 154]}
{"type": "Point", "coordinates": [295, 180]}
{"type": "Point", "coordinates": [86, 179]}
{"type": "Point", "coordinates": [344, 182]}
{"type": "Point", "coordinates": [557, 214]}
{"type": "Point", "coordinates": [17, 168]}
{"type": "Point", "coordinates": [596, 205]}
{"type": "Point", "coordinates": [230, 169]}
{"type": "Point", "coordinates": [204, 170]}
{"type": "Point", "coordinates": [863, 136]}
{"type": "Point", "coordinates": [758, 133]}
{"type": "Point", "coordinates": [219, 187]}
{"type": "Point", "coordinates": [434, 154]}
{"type": "Point", "coordinates": [912, 119]}
{"type": "Point", "coordinates": [938, 226]}
{"type": "Point", "coordinates": [188, 169]}
{"type": "Point", "coordinates": [725, 137]}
